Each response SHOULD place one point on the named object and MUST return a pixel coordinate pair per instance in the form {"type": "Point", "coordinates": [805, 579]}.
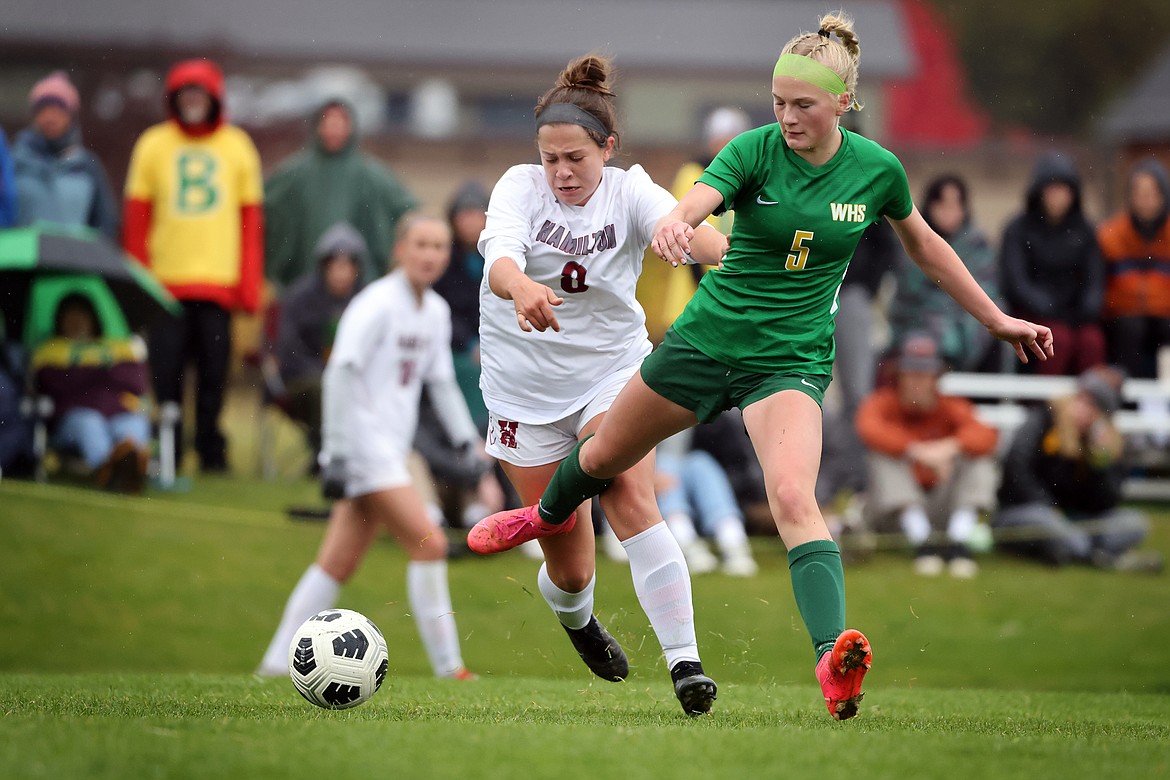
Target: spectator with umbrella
{"type": "Point", "coordinates": [75, 298]}
{"type": "Point", "coordinates": [97, 385]}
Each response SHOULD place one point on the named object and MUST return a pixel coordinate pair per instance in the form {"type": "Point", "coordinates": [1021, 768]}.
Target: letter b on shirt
{"type": "Point", "coordinates": [197, 191]}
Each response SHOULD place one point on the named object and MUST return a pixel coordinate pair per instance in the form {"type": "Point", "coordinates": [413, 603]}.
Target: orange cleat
{"type": "Point", "coordinates": [841, 670]}
{"type": "Point", "coordinates": [512, 528]}
{"type": "Point", "coordinates": [463, 674]}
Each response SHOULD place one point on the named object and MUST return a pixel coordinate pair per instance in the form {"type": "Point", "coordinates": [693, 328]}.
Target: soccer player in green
{"type": "Point", "coordinates": [758, 334]}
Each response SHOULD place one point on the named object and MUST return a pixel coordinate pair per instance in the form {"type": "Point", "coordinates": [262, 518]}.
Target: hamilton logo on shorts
{"type": "Point", "coordinates": [508, 433]}
{"type": "Point", "coordinates": [847, 212]}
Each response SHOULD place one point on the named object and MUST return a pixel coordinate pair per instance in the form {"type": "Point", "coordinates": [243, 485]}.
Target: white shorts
{"type": "Point", "coordinates": [528, 444]}
{"type": "Point", "coordinates": [370, 473]}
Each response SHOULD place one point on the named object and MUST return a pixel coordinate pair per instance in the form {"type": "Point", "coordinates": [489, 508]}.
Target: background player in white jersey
{"type": "Point", "coordinates": [569, 234]}
{"type": "Point", "coordinates": [394, 338]}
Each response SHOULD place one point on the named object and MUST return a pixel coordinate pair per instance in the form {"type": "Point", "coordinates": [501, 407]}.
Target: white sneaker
{"type": "Point", "coordinates": [739, 562]}
{"type": "Point", "coordinates": [963, 568]}
{"type": "Point", "coordinates": [929, 565]}
{"type": "Point", "coordinates": [700, 559]}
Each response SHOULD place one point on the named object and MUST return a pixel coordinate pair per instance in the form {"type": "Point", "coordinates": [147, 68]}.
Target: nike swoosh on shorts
{"type": "Point", "coordinates": [762, 202]}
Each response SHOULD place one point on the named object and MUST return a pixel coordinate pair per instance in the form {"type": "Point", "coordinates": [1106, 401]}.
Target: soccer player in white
{"type": "Point", "coordinates": [560, 334]}
{"type": "Point", "coordinates": [394, 338]}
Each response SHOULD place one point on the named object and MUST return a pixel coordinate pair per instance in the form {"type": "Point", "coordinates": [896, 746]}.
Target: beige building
{"type": "Point", "coordinates": [444, 88]}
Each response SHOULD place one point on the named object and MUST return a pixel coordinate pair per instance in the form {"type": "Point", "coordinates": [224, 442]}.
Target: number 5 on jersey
{"type": "Point", "coordinates": [799, 256]}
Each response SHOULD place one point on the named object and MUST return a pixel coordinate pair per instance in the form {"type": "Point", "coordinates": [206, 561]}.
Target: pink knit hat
{"type": "Point", "coordinates": [54, 88]}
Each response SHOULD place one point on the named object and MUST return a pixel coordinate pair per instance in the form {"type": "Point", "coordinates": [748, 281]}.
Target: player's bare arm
{"type": "Point", "coordinates": [534, 301]}
{"type": "Point", "coordinates": [674, 233]}
{"type": "Point", "coordinates": [939, 262]}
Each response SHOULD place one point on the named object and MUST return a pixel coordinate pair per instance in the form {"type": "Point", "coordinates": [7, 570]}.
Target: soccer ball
{"type": "Point", "coordinates": [337, 659]}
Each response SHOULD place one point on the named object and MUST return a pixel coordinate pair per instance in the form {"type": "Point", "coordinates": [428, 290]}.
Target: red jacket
{"type": "Point", "coordinates": [887, 427]}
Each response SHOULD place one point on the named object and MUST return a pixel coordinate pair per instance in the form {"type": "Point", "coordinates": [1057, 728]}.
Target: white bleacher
{"type": "Point", "coordinates": [998, 398]}
{"type": "Point", "coordinates": [1000, 401]}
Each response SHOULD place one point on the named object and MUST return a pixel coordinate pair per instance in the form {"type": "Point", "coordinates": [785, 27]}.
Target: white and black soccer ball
{"type": "Point", "coordinates": [337, 659]}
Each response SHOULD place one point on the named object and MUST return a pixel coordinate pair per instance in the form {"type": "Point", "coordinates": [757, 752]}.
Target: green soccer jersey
{"type": "Point", "coordinates": [770, 308]}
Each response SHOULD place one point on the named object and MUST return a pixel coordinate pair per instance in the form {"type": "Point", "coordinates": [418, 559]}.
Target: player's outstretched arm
{"type": "Point", "coordinates": [939, 262]}
{"type": "Point", "coordinates": [336, 401]}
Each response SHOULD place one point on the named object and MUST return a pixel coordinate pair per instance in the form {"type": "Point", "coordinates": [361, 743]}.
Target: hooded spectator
{"type": "Point", "coordinates": [1051, 270]}
{"type": "Point", "coordinates": [97, 385]}
{"type": "Point", "coordinates": [309, 312]}
{"type": "Point", "coordinates": [327, 182]}
{"type": "Point", "coordinates": [459, 286]}
{"type": "Point", "coordinates": [193, 215]}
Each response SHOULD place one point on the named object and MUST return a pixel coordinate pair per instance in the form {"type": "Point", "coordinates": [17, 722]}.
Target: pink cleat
{"type": "Point", "coordinates": [841, 670]}
{"type": "Point", "coordinates": [512, 528]}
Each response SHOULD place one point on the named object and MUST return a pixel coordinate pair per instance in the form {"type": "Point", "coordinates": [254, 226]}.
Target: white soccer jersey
{"type": "Point", "coordinates": [398, 344]}
{"type": "Point", "coordinates": [591, 256]}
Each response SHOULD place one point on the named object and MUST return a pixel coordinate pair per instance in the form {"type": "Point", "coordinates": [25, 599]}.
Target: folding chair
{"type": "Point", "coordinates": [45, 296]}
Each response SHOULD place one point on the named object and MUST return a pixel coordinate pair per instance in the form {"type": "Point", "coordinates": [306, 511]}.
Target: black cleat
{"type": "Point", "coordinates": [600, 651]}
{"type": "Point", "coordinates": [695, 690]}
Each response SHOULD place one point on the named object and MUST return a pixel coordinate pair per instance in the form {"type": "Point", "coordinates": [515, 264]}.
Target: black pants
{"type": "Point", "coordinates": [201, 335]}
{"type": "Point", "coordinates": [1134, 343]}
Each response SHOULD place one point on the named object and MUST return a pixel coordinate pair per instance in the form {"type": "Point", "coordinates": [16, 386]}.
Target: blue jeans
{"type": "Point", "coordinates": [1059, 538]}
{"type": "Point", "coordinates": [94, 435]}
{"type": "Point", "coordinates": [701, 490]}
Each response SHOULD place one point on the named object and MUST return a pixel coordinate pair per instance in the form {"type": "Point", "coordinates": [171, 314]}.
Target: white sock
{"type": "Point", "coordinates": [962, 524]}
{"type": "Point", "coordinates": [915, 525]}
{"type": "Point", "coordinates": [663, 586]}
{"type": "Point", "coordinates": [729, 535]}
{"type": "Point", "coordinates": [314, 592]}
{"type": "Point", "coordinates": [430, 604]}
{"type": "Point", "coordinates": [682, 527]}
{"type": "Point", "coordinates": [573, 609]}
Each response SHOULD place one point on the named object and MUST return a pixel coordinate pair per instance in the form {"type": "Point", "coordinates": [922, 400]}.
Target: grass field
{"type": "Point", "coordinates": [132, 626]}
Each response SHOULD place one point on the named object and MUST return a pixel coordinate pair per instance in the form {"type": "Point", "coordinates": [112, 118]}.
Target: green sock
{"type": "Point", "coordinates": [818, 583]}
{"type": "Point", "coordinates": [570, 485]}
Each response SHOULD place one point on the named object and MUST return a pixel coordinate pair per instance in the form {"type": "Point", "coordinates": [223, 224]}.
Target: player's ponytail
{"type": "Point", "coordinates": [842, 26]}
{"type": "Point", "coordinates": [585, 83]}
{"type": "Point", "coordinates": [591, 72]}
{"type": "Point", "coordinates": [842, 56]}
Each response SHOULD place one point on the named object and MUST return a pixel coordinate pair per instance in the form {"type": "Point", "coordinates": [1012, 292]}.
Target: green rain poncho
{"type": "Point", "coordinates": [314, 190]}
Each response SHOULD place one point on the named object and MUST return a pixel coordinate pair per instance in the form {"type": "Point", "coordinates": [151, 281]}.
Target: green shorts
{"type": "Point", "coordinates": [680, 373]}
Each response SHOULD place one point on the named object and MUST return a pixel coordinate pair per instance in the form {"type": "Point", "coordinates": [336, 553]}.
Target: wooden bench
{"type": "Point", "coordinates": [1001, 399]}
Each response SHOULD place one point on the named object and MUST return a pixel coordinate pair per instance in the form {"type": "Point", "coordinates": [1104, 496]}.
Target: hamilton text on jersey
{"type": "Point", "coordinates": [559, 236]}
